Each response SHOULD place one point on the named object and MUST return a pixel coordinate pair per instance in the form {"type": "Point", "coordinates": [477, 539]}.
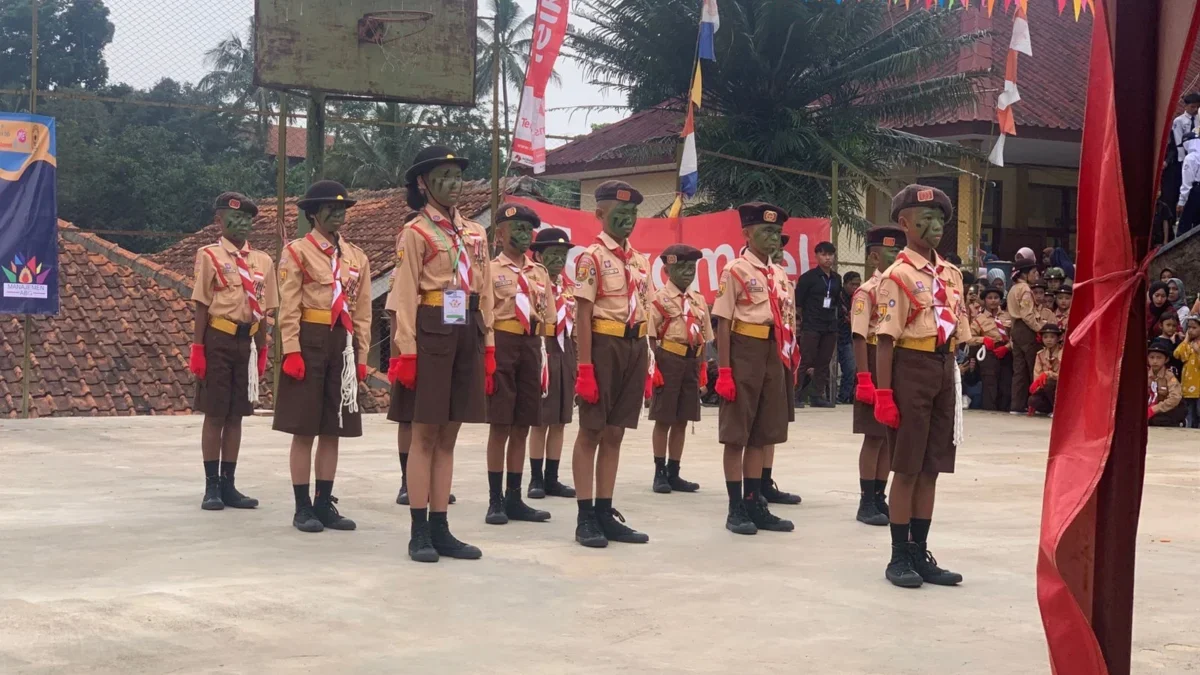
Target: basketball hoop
{"type": "Point", "coordinates": [373, 26]}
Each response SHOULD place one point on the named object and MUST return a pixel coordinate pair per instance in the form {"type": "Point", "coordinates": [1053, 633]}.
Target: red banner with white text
{"type": "Point", "coordinates": [549, 30]}
{"type": "Point", "coordinates": [718, 235]}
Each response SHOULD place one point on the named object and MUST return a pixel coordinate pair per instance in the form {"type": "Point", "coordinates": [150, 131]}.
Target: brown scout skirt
{"type": "Point", "coordinates": [518, 396]}
{"type": "Point", "coordinates": [678, 400]}
{"type": "Point", "coordinates": [559, 405]}
{"type": "Point", "coordinates": [923, 386]}
{"type": "Point", "coordinates": [309, 407]}
{"type": "Point", "coordinates": [864, 414]}
{"type": "Point", "coordinates": [450, 373]}
{"type": "Point", "coordinates": [620, 365]}
{"type": "Point", "coordinates": [222, 392]}
{"type": "Point", "coordinates": [758, 416]}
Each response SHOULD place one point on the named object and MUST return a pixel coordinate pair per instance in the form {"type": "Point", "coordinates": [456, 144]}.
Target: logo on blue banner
{"type": "Point", "coordinates": [28, 215]}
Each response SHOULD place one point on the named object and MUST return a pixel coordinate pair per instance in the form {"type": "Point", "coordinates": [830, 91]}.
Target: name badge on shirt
{"type": "Point", "coordinates": [827, 303]}
{"type": "Point", "coordinates": [454, 307]}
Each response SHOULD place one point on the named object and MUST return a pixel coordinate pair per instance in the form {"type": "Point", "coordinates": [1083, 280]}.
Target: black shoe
{"type": "Point", "coordinates": [402, 497]}
{"type": "Point", "coordinates": [615, 530]}
{"type": "Point", "coordinates": [661, 485]}
{"type": "Point", "coordinates": [537, 489]}
{"type": "Point", "coordinates": [495, 513]}
{"type": "Point", "coordinates": [446, 544]}
{"type": "Point", "coordinates": [680, 485]}
{"type": "Point", "coordinates": [557, 489]}
{"type": "Point", "coordinates": [587, 531]}
{"type": "Point", "coordinates": [738, 521]}
{"type": "Point", "coordinates": [821, 402]}
{"type": "Point", "coordinates": [776, 496]}
{"type": "Point", "coordinates": [799, 404]}
{"type": "Point", "coordinates": [306, 520]}
{"type": "Point", "coordinates": [420, 544]}
{"type": "Point", "coordinates": [453, 498]}
{"type": "Point", "coordinates": [926, 566]}
{"type": "Point", "coordinates": [516, 509]}
{"type": "Point", "coordinates": [328, 514]}
{"type": "Point", "coordinates": [234, 499]}
{"type": "Point", "coordinates": [212, 494]}
{"type": "Point", "coordinates": [900, 570]}
{"type": "Point", "coordinates": [764, 519]}
{"type": "Point", "coordinates": [868, 512]}
{"type": "Point", "coordinates": [882, 505]}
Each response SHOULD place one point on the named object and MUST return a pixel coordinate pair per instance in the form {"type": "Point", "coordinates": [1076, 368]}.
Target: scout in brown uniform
{"type": "Point", "coordinates": [613, 355]}
{"type": "Point", "coordinates": [1163, 409]}
{"type": "Point", "coordinates": [325, 325]}
{"type": "Point", "coordinates": [234, 291]}
{"type": "Point", "coordinates": [1062, 307]}
{"type": "Point", "coordinates": [551, 247]}
{"type": "Point", "coordinates": [875, 458]}
{"type": "Point", "coordinates": [679, 328]}
{"type": "Point", "coordinates": [520, 287]}
{"type": "Point", "coordinates": [442, 341]}
{"type": "Point", "coordinates": [1043, 301]}
{"type": "Point", "coordinates": [789, 334]}
{"type": "Point", "coordinates": [1026, 322]}
{"type": "Point", "coordinates": [1045, 371]}
{"type": "Point", "coordinates": [923, 315]}
{"type": "Point", "coordinates": [990, 330]}
{"type": "Point", "coordinates": [753, 370]}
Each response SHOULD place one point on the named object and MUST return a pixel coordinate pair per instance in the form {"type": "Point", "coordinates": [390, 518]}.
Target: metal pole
{"type": "Point", "coordinates": [833, 202]}
{"type": "Point", "coordinates": [33, 59]}
{"type": "Point", "coordinates": [27, 320]}
{"type": "Point", "coordinates": [281, 235]}
{"type": "Point", "coordinates": [495, 121]}
{"type": "Point", "coordinates": [315, 152]}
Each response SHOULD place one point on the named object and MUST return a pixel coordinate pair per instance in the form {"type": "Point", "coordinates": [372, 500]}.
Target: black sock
{"type": "Point", "coordinates": [585, 506]}
{"type": "Point", "coordinates": [535, 469]}
{"type": "Point", "coordinates": [211, 467]}
{"type": "Point", "coordinates": [753, 488]}
{"type": "Point", "coordinates": [323, 492]}
{"type": "Point", "coordinates": [228, 469]}
{"type": "Point", "coordinates": [419, 515]}
{"type": "Point", "coordinates": [514, 481]}
{"type": "Point", "coordinates": [302, 499]}
{"type": "Point", "coordinates": [899, 533]}
{"type": "Point", "coordinates": [495, 483]}
{"type": "Point", "coordinates": [766, 475]}
{"type": "Point", "coordinates": [603, 505]}
{"type": "Point", "coordinates": [437, 517]}
{"type": "Point", "coordinates": [673, 468]}
{"type": "Point", "coordinates": [867, 486]}
{"type": "Point", "coordinates": [920, 529]}
{"type": "Point", "coordinates": [734, 488]}
{"type": "Point", "coordinates": [404, 465]}
{"type": "Point", "coordinates": [880, 486]}
{"type": "Point", "coordinates": [552, 470]}
{"type": "Point", "coordinates": [660, 463]}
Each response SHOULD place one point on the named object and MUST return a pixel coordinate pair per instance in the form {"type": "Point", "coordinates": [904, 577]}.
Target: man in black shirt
{"type": "Point", "coordinates": [818, 295]}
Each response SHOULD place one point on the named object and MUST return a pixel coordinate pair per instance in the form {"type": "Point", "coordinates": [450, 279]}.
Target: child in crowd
{"type": "Point", "coordinates": [1188, 351]}
{"type": "Point", "coordinates": [1164, 392]}
{"type": "Point", "coordinates": [1045, 371]}
{"type": "Point", "coordinates": [1171, 333]}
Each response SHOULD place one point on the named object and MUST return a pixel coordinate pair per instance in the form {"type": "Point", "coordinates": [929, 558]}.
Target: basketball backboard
{"type": "Point", "coordinates": [413, 51]}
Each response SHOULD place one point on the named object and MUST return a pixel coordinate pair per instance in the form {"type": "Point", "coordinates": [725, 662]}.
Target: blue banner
{"type": "Point", "coordinates": [28, 215]}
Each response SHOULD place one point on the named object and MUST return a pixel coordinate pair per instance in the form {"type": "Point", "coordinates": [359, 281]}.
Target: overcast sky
{"type": "Point", "coordinates": [167, 38]}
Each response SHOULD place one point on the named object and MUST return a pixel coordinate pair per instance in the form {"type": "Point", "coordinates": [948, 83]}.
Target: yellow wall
{"type": "Point", "coordinates": [658, 189]}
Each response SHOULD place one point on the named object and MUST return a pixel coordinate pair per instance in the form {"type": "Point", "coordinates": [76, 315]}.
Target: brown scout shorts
{"type": "Point", "coordinates": [923, 386]}
{"type": "Point", "coordinates": [450, 373]}
{"type": "Point", "coordinates": [559, 405]}
{"type": "Point", "coordinates": [620, 365]}
{"type": "Point", "coordinates": [309, 407]}
{"type": "Point", "coordinates": [518, 396]}
{"type": "Point", "coordinates": [758, 416]}
{"type": "Point", "coordinates": [864, 414]}
{"type": "Point", "coordinates": [222, 392]}
{"type": "Point", "coordinates": [678, 400]}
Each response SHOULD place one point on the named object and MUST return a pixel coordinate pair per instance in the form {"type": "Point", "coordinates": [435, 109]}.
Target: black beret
{"type": "Point", "coordinates": [921, 195]}
{"type": "Point", "coordinates": [761, 213]}
{"type": "Point", "coordinates": [1162, 346]}
{"type": "Point", "coordinates": [430, 158]}
{"type": "Point", "coordinates": [680, 253]}
{"type": "Point", "coordinates": [886, 235]}
{"type": "Point", "coordinates": [510, 211]}
{"type": "Point", "coordinates": [617, 191]}
{"type": "Point", "coordinates": [549, 237]}
{"type": "Point", "coordinates": [1051, 328]}
{"type": "Point", "coordinates": [992, 289]}
{"type": "Point", "coordinates": [235, 201]}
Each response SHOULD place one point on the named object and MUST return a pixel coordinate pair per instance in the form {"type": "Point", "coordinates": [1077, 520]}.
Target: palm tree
{"type": "Point", "coordinates": [796, 84]}
{"type": "Point", "coordinates": [512, 29]}
{"type": "Point", "coordinates": [376, 156]}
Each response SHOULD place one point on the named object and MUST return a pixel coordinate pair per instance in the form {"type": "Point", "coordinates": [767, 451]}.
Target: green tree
{"type": "Point", "coordinates": [375, 157]}
{"type": "Point", "coordinates": [795, 84]}
{"type": "Point", "coordinates": [513, 28]}
{"type": "Point", "coordinates": [72, 35]}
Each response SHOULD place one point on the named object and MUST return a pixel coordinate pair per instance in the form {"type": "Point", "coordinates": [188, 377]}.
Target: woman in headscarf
{"type": "Point", "coordinates": [1177, 297]}
{"type": "Point", "coordinates": [995, 279]}
{"type": "Point", "coordinates": [1158, 307]}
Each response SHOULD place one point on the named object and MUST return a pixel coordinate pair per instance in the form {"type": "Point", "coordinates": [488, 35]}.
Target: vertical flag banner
{"type": "Point", "coordinates": [689, 170]}
{"type": "Point", "coordinates": [28, 215]}
{"type": "Point", "coordinates": [549, 31]}
{"type": "Point", "coordinates": [710, 23]}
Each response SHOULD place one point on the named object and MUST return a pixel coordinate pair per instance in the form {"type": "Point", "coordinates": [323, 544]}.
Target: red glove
{"type": "Point", "coordinates": [865, 391]}
{"type": "Point", "coordinates": [1001, 351]}
{"type": "Point", "coordinates": [293, 366]}
{"type": "Point", "coordinates": [262, 361]}
{"type": "Point", "coordinates": [886, 412]}
{"type": "Point", "coordinates": [1038, 383]}
{"type": "Point", "coordinates": [489, 369]}
{"type": "Point", "coordinates": [726, 388]}
{"type": "Point", "coordinates": [658, 378]}
{"type": "Point", "coordinates": [703, 375]}
{"type": "Point", "coordinates": [990, 344]}
{"type": "Point", "coordinates": [403, 369]}
{"type": "Point", "coordinates": [197, 363]}
{"type": "Point", "coordinates": [585, 383]}
{"type": "Point", "coordinates": [1149, 413]}
{"type": "Point", "coordinates": [648, 390]}
{"type": "Point", "coordinates": [362, 372]}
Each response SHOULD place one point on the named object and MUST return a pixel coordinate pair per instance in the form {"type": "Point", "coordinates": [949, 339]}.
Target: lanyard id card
{"type": "Point", "coordinates": [454, 307]}
{"type": "Point", "coordinates": [827, 302]}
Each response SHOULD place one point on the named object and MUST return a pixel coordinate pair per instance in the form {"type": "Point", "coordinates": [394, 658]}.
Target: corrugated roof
{"type": "Point", "coordinates": [604, 148]}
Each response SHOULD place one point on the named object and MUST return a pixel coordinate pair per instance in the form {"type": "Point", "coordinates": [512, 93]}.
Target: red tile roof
{"type": "Point", "coordinates": [609, 147]}
{"type": "Point", "coordinates": [297, 142]}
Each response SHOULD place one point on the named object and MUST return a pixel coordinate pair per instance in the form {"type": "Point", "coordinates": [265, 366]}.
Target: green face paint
{"type": "Point", "coordinates": [236, 225]}
{"type": "Point", "coordinates": [519, 235]}
{"type": "Point", "coordinates": [330, 218]}
{"type": "Point", "coordinates": [777, 257]}
{"type": "Point", "coordinates": [887, 255]}
{"type": "Point", "coordinates": [445, 184]}
{"type": "Point", "coordinates": [555, 259]}
{"type": "Point", "coordinates": [682, 274]}
{"type": "Point", "coordinates": [765, 239]}
{"type": "Point", "coordinates": [928, 224]}
{"type": "Point", "coordinates": [620, 220]}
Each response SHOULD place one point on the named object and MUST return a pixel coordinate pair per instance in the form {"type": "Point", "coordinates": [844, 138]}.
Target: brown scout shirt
{"type": "Point", "coordinates": [864, 315]}
{"type": "Point", "coordinates": [1046, 315]}
{"type": "Point", "coordinates": [1021, 306]}
{"type": "Point", "coordinates": [1048, 361]}
{"type": "Point", "coordinates": [306, 282]}
{"type": "Point", "coordinates": [609, 295]}
{"type": "Point", "coordinates": [505, 288]}
{"type": "Point", "coordinates": [219, 285]}
{"type": "Point", "coordinates": [905, 281]}
{"type": "Point", "coordinates": [667, 311]}
{"type": "Point", "coordinates": [742, 294]}
{"type": "Point", "coordinates": [425, 261]}
{"type": "Point", "coordinates": [1164, 390]}
{"type": "Point", "coordinates": [990, 325]}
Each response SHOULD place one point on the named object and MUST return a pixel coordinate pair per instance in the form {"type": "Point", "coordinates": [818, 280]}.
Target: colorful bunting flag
{"type": "Point", "coordinates": [710, 23]}
{"type": "Point", "coordinates": [697, 87]}
{"type": "Point", "coordinates": [689, 170]}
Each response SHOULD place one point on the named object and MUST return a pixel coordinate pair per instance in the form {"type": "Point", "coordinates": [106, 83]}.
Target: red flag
{"type": "Point", "coordinates": [549, 31]}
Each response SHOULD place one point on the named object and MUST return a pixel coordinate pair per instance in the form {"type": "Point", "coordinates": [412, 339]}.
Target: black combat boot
{"type": "Point", "coordinates": [446, 544]}
{"type": "Point", "coordinates": [537, 489]}
{"type": "Point", "coordinates": [662, 485]}
{"type": "Point", "coordinates": [738, 521]}
{"type": "Point", "coordinates": [420, 543]}
{"type": "Point", "coordinates": [882, 505]}
{"type": "Point", "coordinates": [926, 565]}
{"type": "Point", "coordinates": [821, 402]}
{"type": "Point", "coordinates": [496, 514]}
{"type": "Point", "coordinates": [774, 495]}
{"type": "Point", "coordinates": [587, 531]}
{"type": "Point", "coordinates": [556, 489]}
{"type": "Point", "coordinates": [402, 497]}
{"type": "Point", "coordinates": [900, 570]}
{"type": "Point", "coordinates": [234, 499]}
{"type": "Point", "coordinates": [678, 484]}
{"type": "Point", "coordinates": [212, 494]}
{"type": "Point", "coordinates": [516, 509]}
{"type": "Point", "coordinates": [612, 525]}
{"type": "Point", "coordinates": [764, 519]}
{"type": "Point", "coordinates": [306, 520]}
{"type": "Point", "coordinates": [328, 514]}
{"type": "Point", "coordinates": [868, 511]}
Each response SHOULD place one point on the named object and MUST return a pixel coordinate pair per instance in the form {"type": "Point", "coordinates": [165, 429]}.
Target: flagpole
{"type": "Point", "coordinates": [688, 103]}
{"type": "Point", "coordinates": [27, 320]}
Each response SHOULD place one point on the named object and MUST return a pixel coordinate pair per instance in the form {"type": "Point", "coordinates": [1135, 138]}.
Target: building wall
{"type": "Point", "coordinates": [657, 188]}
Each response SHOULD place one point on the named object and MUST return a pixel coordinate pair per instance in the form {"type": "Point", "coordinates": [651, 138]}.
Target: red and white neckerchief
{"type": "Point", "coordinates": [695, 336]}
{"type": "Point", "coordinates": [999, 326]}
{"type": "Point", "coordinates": [564, 310]}
{"type": "Point", "coordinates": [946, 321]}
{"type": "Point", "coordinates": [461, 261]}
{"type": "Point", "coordinates": [625, 254]}
{"type": "Point", "coordinates": [782, 337]}
{"type": "Point", "coordinates": [248, 284]}
{"type": "Point", "coordinates": [522, 299]}
{"type": "Point", "coordinates": [338, 312]}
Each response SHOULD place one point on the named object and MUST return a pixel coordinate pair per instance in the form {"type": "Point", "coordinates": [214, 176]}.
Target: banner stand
{"type": "Point", "coordinates": [27, 320]}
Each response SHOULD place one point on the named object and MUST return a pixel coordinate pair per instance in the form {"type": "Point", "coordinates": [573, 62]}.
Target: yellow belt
{"type": "Point", "coordinates": [321, 316]}
{"type": "Point", "coordinates": [615, 328]}
{"type": "Point", "coordinates": [229, 327]}
{"type": "Point", "coordinates": [509, 326]}
{"type": "Point", "coordinates": [676, 348]}
{"type": "Point", "coordinates": [753, 330]}
{"type": "Point", "coordinates": [435, 298]}
{"type": "Point", "coordinates": [548, 330]}
{"type": "Point", "coordinates": [926, 344]}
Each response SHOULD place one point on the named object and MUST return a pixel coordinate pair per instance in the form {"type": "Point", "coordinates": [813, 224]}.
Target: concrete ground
{"type": "Point", "coordinates": [110, 566]}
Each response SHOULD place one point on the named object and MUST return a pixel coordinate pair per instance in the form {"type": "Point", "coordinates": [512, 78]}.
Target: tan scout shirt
{"type": "Point", "coordinates": [600, 279]}
{"type": "Point", "coordinates": [743, 295]}
{"type": "Point", "coordinates": [905, 299]}
{"type": "Point", "coordinates": [1021, 306]}
{"type": "Point", "coordinates": [864, 314]}
{"type": "Point", "coordinates": [1165, 392]}
{"type": "Point", "coordinates": [1046, 315]}
{"type": "Point", "coordinates": [426, 261]}
{"type": "Point", "coordinates": [1063, 318]}
{"type": "Point", "coordinates": [505, 289]}
{"type": "Point", "coordinates": [1048, 361]}
{"type": "Point", "coordinates": [218, 284]}
{"type": "Point", "coordinates": [995, 326]}
{"type": "Point", "coordinates": [667, 320]}
{"type": "Point", "coordinates": [306, 282]}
